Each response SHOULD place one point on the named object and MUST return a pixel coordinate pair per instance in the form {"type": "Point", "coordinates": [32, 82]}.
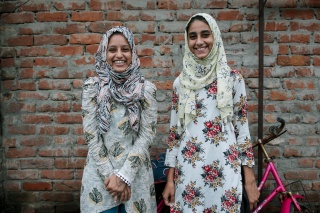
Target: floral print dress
{"type": "Point", "coordinates": [121, 150]}
{"type": "Point", "coordinates": [208, 155]}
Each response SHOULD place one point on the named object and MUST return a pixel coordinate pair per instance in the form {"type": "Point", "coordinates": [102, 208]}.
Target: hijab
{"type": "Point", "coordinates": [125, 87]}
{"type": "Point", "coordinates": [198, 73]}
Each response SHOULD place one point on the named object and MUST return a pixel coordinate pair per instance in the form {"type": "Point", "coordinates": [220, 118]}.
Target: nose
{"type": "Point", "coordinates": [119, 53]}
{"type": "Point", "coordinates": [199, 40]}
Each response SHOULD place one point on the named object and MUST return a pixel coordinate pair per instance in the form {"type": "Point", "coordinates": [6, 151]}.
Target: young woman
{"type": "Point", "coordinates": [119, 117]}
{"type": "Point", "coordinates": [209, 137]}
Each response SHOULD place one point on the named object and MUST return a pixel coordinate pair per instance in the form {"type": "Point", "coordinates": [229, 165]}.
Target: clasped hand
{"type": "Point", "coordinates": [119, 190]}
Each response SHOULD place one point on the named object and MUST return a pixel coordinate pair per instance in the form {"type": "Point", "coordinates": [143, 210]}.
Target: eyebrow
{"type": "Point", "coordinates": [203, 31]}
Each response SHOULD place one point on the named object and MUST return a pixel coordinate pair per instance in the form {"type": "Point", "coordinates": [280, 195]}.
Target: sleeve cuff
{"type": "Point", "coordinates": [171, 157]}
{"type": "Point", "coordinates": [123, 178]}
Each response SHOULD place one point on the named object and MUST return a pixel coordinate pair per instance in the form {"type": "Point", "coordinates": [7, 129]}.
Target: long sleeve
{"type": "Point", "coordinates": [174, 137]}
{"type": "Point", "coordinates": [240, 121]}
{"type": "Point", "coordinates": [139, 153]}
{"type": "Point", "coordinates": [96, 149]}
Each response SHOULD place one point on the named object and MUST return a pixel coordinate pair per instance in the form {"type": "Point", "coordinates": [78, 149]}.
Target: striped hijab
{"type": "Point", "coordinates": [125, 87]}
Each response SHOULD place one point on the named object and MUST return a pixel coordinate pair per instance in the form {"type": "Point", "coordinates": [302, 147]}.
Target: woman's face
{"type": "Point", "coordinates": [200, 39]}
{"type": "Point", "coordinates": [119, 54]}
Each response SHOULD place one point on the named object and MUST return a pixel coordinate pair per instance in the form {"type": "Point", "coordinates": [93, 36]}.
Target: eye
{"type": "Point", "coordinates": [112, 49]}
{"type": "Point", "coordinates": [192, 36]}
{"type": "Point", "coordinates": [205, 34]}
{"type": "Point", "coordinates": [126, 49]}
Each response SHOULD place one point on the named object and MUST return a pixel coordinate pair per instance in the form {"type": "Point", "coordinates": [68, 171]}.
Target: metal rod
{"type": "Point", "coordinates": [260, 92]}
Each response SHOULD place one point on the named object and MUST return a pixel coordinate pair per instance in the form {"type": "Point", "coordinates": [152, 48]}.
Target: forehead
{"type": "Point", "coordinates": [118, 38]}
{"type": "Point", "coordinates": [198, 26]}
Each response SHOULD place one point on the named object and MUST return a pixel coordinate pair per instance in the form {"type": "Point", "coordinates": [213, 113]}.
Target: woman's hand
{"type": "Point", "coordinates": [251, 187]}
{"type": "Point", "coordinates": [169, 190]}
{"type": "Point", "coordinates": [115, 186]}
{"type": "Point", "coordinates": [126, 194]}
{"type": "Point", "coordinates": [168, 193]}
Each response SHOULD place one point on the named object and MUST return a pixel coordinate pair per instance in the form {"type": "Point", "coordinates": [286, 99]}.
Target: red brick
{"type": "Point", "coordinates": [102, 26]}
{"type": "Point", "coordinates": [71, 185]}
{"type": "Point", "coordinates": [77, 84]}
{"type": "Point", "coordinates": [22, 174]}
{"type": "Point", "coordinates": [35, 141]}
{"type": "Point", "coordinates": [51, 62]}
{"type": "Point", "coordinates": [52, 17]}
{"type": "Point", "coordinates": [7, 62]}
{"type": "Point", "coordinates": [54, 107]}
{"type": "Point", "coordinates": [19, 129]}
{"type": "Point", "coordinates": [85, 38]}
{"type": "Point", "coordinates": [277, 95]}
{"type": "Point", "coordinates": [294, 14]}
{"type": "Point", "coordinates": [276, 26]}
{"type": "Point", "coordinates": [54, 84]}
{"type": "Point", "coordinates": [72, 5]}
{"type": "Point", "coordinates": [53, 130]}
{"type": "Point", "coordinates": [105, 5]}
{"type": "Point", "coordinates": [17, 18]}
{"type": "Point", "coordinates": [309, 26]}
{"type": "Point", "coordinates": [50, 39]}
{"type": "Point", "coordinates": [55, 152]}
{"type": "Point", "coordinates": [26, 73]}
{"type": "Point", "coordinates": [32, 51]}
{"type": "Point", "coordinates": [70, 28]}
{"type": "Point", "coordinates": [9, 142]}
{"type": "Point", "coordinates": [68, 118]}
{"type": "Point", "coordinates": [173, 5]}
{"type": "Point", "coordinates": [57, 197]}
{"type": "Point", "coordinates": [21, 41]}
{"type": "Point", "coordinates": [92, 49]}
{"type": "Point", "coordinates": [306, 162]}
{"type": "Point", "coordinates": [163, 85]}
{"type": "Point", "coordinates": [230, 15]}
{"type": "Point", "coordinates": [301, 175]}
{"type": "Point", "coordinates": [78, 130]}
{"type": "Point", "coordinates": [34, 6]}
{"type": "Point", "coordinates": [122, 16]}
{"type": "Point", "coordinates": [67, 51]}
{"type": "Point", "coordinates": [36, 119]}
{"type": "Point", "coordinates": [139, 5]}
{"type": "Point", "coordinates": [32, 95]}
{"type": "Point", "coordinates": [12, 186]}
{"type": "Point", "coordinates": [295, 60]}
{"type": "Point", "coordinates": [87, 16]}
{"type": "Point", "coordinates": [80, 152]}
{"type": "Point", "coordinates": [26, 197]}
{"type": "Point", "coordinates": [73, 163]}
{"type": "Point", "coordinates": [26, 62]}
{"type": "Point", "coordinates": [57, 174]}
{"type": "Point", "coordinates": [37, 186]}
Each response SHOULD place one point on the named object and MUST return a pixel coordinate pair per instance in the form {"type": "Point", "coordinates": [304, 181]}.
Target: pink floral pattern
{"type": "Point", "coordinates": [213, 131]}
{"type": "Point", "coordinates": [212, 89]}
{"type": "Point", "coordinates": [232, 158]}
{"type": "Point", "coordinates": [230, 201]}
{"type": "Point", "coordinates": [213, 175]}
{"type": "Point", "coordinates": [192, 152]}
{"type": "Point", "coordinates": [192, 195]}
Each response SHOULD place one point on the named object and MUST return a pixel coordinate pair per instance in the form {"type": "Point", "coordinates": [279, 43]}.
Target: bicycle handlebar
{"type": "Point", "coordinates": [275, 131]}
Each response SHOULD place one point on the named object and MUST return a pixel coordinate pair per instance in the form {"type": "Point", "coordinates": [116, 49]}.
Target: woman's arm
{"type": "Point", "coordinates": [96, 148]}
{"type": "Point", "coordinates": [139, 154]}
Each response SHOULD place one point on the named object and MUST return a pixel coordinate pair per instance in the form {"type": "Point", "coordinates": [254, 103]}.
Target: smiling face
{"type": "Point", "coordinates": [200, 38]}
{"type": "Point", "coordinates": [119, 54]}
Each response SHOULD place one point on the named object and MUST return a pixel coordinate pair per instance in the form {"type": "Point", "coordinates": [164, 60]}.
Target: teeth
{"type": "Point", "coordinates": [202, 48]}
{"type": "Point", "coordinates": [119, 62]}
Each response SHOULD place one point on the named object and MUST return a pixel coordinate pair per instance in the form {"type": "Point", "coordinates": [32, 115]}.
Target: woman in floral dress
{"type": "Point", "coordinates": [119, 116]}
{"type": "Point", "coordinates": [209, 137]}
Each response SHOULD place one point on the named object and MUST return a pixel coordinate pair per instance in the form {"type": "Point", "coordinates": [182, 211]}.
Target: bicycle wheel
{"type": "Point", "coordinates": [304, 209]}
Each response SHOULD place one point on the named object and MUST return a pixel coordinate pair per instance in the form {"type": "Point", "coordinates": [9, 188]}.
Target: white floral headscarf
{"type": "Point", "coordinates": [198, 73]}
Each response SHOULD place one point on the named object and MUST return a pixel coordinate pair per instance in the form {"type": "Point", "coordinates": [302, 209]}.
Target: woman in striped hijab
{"type": "Point", "coordinates": [119, 117]}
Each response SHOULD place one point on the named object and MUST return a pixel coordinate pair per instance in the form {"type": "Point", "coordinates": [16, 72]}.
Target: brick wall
{"type": "Point", "coordinates": [47, 51]}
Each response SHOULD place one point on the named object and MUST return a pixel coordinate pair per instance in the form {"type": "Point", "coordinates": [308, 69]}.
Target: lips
{"type": "Point", "coordinates": [119, 62]}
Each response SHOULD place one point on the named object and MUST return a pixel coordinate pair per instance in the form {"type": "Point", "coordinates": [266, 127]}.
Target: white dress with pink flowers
{"type": "Point", "coordinates": [208, 155]}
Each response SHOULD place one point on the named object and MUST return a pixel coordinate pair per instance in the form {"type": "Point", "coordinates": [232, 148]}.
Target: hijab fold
{"type": "Point", "coordinates": [198, 73]}
{"type": "Point", "coordinates": [125, 87]}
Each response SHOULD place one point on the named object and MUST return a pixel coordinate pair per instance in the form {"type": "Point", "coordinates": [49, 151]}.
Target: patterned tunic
{"type": "Point", "coordinates": [120, 149]}
{"type": "Point", "coordinates": [208, 155]}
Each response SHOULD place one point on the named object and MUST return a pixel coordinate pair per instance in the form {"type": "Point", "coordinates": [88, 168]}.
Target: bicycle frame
{"type": "Point", "coordinates": [279, 189]}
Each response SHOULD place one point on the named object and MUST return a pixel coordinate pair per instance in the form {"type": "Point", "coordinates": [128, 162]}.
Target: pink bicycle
{"type": "Point", "coordinates": [289, 201]}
